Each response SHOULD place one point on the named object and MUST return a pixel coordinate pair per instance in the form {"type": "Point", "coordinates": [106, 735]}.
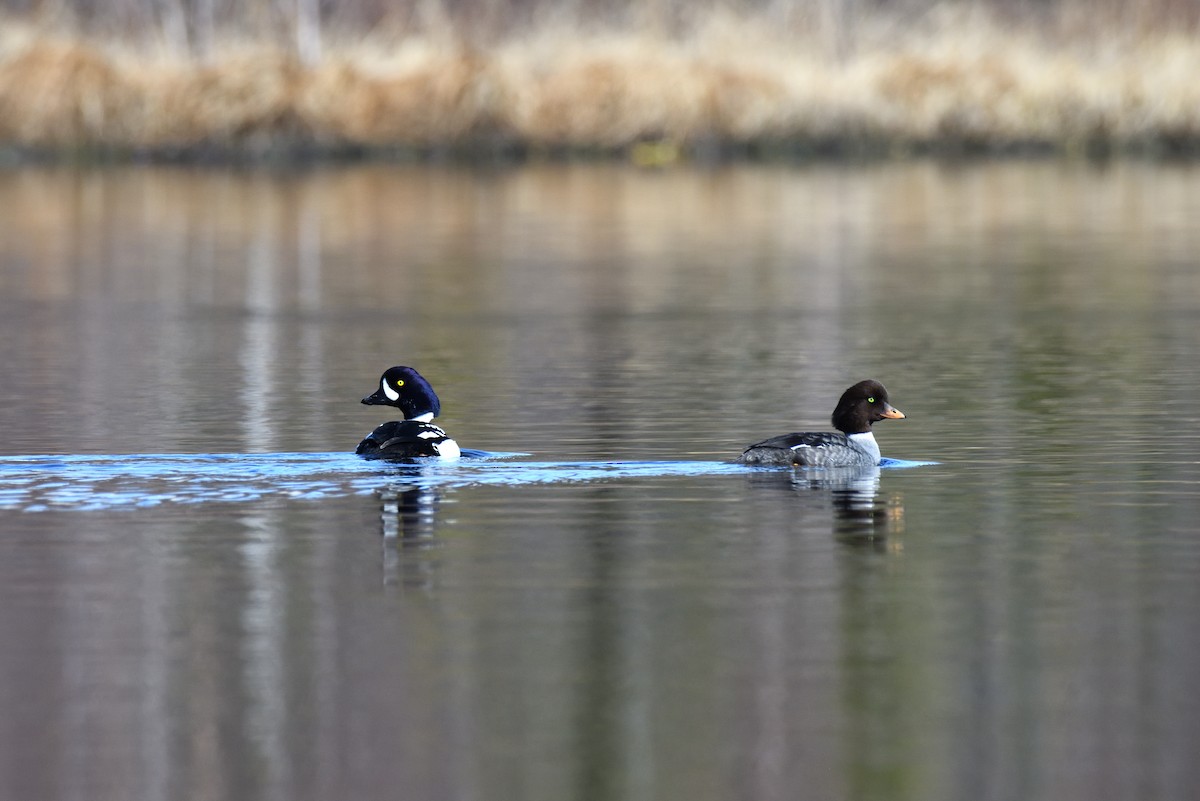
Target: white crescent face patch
{"type": "Point", "coordinates": [392, 394]}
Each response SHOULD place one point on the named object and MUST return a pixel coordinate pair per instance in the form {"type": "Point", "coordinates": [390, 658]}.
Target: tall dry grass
{"type": "Point", "coordinates": [844, 75]}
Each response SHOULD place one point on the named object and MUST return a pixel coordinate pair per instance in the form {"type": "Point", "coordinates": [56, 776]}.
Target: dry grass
{"type": "Point", "coordinates": [955, 81]}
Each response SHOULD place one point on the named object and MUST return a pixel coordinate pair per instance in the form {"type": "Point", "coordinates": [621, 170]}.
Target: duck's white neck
{"type": "Point", "coordinates": [866, 442]}
{"type": "Point", "coordinates": [427, 417]}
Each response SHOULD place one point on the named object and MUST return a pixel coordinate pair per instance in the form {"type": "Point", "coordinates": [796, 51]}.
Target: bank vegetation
{"type": "Point", "coordinates": [655, 80]}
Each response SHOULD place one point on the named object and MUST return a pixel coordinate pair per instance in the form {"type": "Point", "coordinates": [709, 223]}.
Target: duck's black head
{"type": "Point", "coordinates": [862, 405]}
{"type": "Point", "coordinates": [408, 391]}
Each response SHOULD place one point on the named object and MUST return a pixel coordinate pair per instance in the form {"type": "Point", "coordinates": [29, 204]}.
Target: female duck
{"type": "Point", "coordinates": [860, 406]}
{"type": "Point", "coordinates": [415, 435]}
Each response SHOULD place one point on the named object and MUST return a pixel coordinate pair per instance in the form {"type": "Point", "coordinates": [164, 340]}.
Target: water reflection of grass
{"type": "Point", "coordinates": [825, 75]}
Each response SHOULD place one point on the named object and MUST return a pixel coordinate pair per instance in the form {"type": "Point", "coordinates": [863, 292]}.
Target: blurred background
{"type": "Point", "coordinates": [510, 77]}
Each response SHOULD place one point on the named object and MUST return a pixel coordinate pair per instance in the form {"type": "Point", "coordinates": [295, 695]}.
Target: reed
{"type": "Point", "coordinates": [765, 78]}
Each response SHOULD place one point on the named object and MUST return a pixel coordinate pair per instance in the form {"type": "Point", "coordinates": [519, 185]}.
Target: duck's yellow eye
{"type": "Point", "coordinates": [870, 400]}
{"type": "Point", "coordinates": [399, 382]}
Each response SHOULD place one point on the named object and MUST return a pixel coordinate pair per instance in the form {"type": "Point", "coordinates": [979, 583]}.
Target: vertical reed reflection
{"type": "Point", "coordinates": [694, 638]}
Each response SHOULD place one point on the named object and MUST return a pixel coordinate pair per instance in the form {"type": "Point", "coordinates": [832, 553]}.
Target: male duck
{"type": "Point", "coordinates": [415, 435]}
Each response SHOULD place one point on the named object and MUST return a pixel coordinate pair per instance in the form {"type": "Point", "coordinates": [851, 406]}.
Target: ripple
{"type": "Point", "coordinates": [124, 481]}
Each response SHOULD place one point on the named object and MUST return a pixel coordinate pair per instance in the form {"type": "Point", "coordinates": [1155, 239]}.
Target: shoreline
{"type": "Point", "coordinates": [730, 90]}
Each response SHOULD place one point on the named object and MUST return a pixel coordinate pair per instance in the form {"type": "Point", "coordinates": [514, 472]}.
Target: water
{"type": "Point", "coordinates": [202, 591]}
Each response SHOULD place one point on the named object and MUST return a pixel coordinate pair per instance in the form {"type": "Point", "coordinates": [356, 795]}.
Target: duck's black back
{"type": "Point", "coordinates": [813, 439]}
{"type": "Point", "coordinates": [402, 439]}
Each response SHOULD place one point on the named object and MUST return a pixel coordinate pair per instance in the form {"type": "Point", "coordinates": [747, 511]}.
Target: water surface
{"type": "Point", "coordinates": [202, 589]}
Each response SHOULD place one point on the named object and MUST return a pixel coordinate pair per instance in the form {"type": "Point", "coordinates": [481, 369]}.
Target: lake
{"type": "Point", "coordinates": [204, 594]}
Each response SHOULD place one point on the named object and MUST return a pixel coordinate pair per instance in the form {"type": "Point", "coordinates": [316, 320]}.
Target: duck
{"type": "Point", "coordinates": [860, 406]}
{"type": "Point", "coordinates": [415, 435]}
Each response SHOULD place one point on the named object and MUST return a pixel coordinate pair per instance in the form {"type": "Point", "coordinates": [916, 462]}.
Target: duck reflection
{"type": "Point", "coordinates": [408, 514]}
{"type": "Point", "coordinates": [408, 520]}
{"type": "Point", "coordinates": [862, 515]}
